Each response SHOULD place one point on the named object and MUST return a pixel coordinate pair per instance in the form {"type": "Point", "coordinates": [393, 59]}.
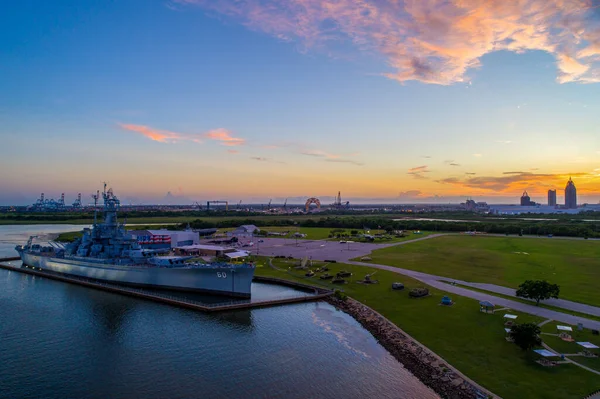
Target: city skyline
{"type": "Point", "coordinates": [252, 100]}
{"type": "Point", "coordinates": [181, 199]}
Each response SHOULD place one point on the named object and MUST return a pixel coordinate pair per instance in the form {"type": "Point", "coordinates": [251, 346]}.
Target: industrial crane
{"type": "Point", "coordinates": [216, 203]}
{"type": "Point", "coordinates": [285, 204]}
{"type": "Point", "coordinates": [239, 205]}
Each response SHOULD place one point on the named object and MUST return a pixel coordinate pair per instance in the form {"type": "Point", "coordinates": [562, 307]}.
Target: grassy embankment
{"type": "Point", "coordinates": [471, 341]}
{"type": "Point", "coordinates": [506, 261]}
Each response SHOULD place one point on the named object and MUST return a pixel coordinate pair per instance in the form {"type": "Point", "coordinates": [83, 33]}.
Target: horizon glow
{"type": "Point", "coordinates": [386, 101]}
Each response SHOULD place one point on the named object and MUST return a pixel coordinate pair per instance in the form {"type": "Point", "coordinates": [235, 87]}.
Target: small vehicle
{"type": "Point", "coordinates": [342, 242]}
{"type": "Point", "coordinates": [326, 276]}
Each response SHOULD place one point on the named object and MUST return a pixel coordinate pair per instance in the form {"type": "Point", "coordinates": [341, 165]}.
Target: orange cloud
{"type": "Point", "coordinates": [511, 182]}
{"type": "Point", "coordinates": [432, 41]}
{"type": "Point", "coordinates": [167, 136]}
{"type": "Point", "coordinates": [162, 136]}
{"type": "Point", "coordinates": [224, 136]}
{"type": "Point", "coordinates": [418, 172]}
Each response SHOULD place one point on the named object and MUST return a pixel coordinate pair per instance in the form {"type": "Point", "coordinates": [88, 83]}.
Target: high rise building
{"type": "Point", "coordinates": [551, 197]}
{"type": "Point", "coordinates": [526, 200]}
{"type": "Point", "coordinates": [570, 195]}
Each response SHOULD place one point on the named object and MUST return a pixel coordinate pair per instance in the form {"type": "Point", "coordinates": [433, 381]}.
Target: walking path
{"type": "Point", "coordinates": [436, 282]}
{"type": "Point", "coordinates": [567, 360]}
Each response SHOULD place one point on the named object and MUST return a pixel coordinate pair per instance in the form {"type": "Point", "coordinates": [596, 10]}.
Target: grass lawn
{"type": "Point", "coordinates": [565, 347]}
{"type": "Point", "coordinates": [471, 341]}
{"type": "Point", "coordinates": [507, 261]}
{"type": "Point", "coordinates": [528, 302]}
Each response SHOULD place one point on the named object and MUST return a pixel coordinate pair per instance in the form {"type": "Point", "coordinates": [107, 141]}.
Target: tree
{"type": "Point", "coordinates": [526, 335]}
{"type": "Point", "coordinates": [538, 290]}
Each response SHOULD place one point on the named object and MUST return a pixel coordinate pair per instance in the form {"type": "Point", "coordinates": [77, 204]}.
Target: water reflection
{"type": "Point", "coordinates": [65, 341]}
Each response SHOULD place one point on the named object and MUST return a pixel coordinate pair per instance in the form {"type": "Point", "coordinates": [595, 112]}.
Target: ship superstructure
{"type": "Point", "coordinates": [107, 252]}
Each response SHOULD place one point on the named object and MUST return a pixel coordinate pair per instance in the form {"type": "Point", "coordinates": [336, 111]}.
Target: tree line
{"type": "Point", "coordinates": [513, 227]}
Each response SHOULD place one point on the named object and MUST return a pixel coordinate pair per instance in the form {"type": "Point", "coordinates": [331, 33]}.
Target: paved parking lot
{"type": "Point", "coordinates": [313, 249]}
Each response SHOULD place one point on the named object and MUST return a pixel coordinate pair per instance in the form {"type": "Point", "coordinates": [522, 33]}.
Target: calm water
{"type": "Point", "coordinates": [64, 341]}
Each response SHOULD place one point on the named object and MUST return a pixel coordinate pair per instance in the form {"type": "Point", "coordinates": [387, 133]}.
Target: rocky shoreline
{"type": "Point", "coordinates": [424, 364]}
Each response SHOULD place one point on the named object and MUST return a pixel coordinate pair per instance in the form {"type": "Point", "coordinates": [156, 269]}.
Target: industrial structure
{"type": "Point", "coordinates": [570, 195]}
{"type": "Point", "coordinates": [337, 204]}
{"type": "Point", "coordinates": [216, 203]}
{"type": "Point", "coordinates": [551, 197]}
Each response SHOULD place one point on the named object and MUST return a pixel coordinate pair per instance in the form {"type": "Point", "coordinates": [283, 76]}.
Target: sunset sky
{"type": "Point", "coordinates": [383, 100]}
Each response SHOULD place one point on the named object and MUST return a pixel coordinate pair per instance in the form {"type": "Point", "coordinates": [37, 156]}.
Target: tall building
{"type": "Point", "coordinates": [551, 197]}
{"type": "Point", "coordinates": [570, 195]}
{"type": "Point", "coordinates": [526, 200]}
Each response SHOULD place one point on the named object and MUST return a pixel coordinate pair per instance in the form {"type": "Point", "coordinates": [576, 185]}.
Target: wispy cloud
{"type": "Point", "coordinates": [432, 41]}
{"type": "Point", "coordinates": [418, 172]}
{"type": "Point", "coordinates": [329, 157]}
{"type": "Point", "coordinates": [261, 159]}
{"type": "Point", "coordinates": [224, 137]}
{"type": "Point", "coordinates": [418, 169]}
{"type": "Point", "coordinates": [345, 161]}
{"type": "Point", "coordinates": [167, 136]}
{"type": "Point", "coordinates": [504, 141]}
{"type": "Point", "coordinates": [162, 136]}
{"type": "Point", "coordinates": [233, 151]}
{"type": "Point", "coordinates": [470, 173]}
{"type": "Point", "coordinates": [477, 155]}
{"type": "Point", "coordinates": [426, 156]}
{"type": "Point", "coordinates": [451, 163]}
{"type": "Point", "coordinates": [320, 154]}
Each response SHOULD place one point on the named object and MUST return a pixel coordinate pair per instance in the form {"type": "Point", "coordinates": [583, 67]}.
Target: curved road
{"type": "Point", "coordinates": [435, 281]}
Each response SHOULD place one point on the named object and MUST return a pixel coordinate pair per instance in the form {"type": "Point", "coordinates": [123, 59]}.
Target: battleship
{"type": "Point", "coordinates": [107, 252]}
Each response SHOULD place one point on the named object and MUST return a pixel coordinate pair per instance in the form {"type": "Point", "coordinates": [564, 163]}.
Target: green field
{"type": "Point", "coordinates": [506, 261]}
{"type": "Point", "coordinates": [471, 341]}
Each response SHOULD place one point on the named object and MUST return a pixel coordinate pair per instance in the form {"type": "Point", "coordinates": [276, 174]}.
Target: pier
{"type": "Point", "coordinates": [312, 293]}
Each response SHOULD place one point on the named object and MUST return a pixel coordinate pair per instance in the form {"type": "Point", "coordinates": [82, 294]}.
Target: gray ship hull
{"type": "Point", "coordinates": [217, 279]}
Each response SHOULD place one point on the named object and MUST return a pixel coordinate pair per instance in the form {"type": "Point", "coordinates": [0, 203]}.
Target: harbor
{"type": "Point", "coordinates": [310, 293]}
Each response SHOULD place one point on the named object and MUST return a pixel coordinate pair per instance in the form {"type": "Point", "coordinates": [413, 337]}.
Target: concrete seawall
{"type": "Point", "coordinates": [428, 367]}
{"type": "Point", "coordinates": [317, 294]}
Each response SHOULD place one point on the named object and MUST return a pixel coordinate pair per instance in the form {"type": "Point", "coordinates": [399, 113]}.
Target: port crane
{"type": "Point", "coordinates": [216, 203]}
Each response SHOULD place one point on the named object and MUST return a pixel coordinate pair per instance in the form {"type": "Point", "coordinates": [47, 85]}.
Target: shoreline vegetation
{"type": "Point", "coordinates": [584, 225]}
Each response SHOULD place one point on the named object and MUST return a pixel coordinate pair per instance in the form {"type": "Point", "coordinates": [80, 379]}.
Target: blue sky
{"type": "Point", "coordinates": [259, 99]}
